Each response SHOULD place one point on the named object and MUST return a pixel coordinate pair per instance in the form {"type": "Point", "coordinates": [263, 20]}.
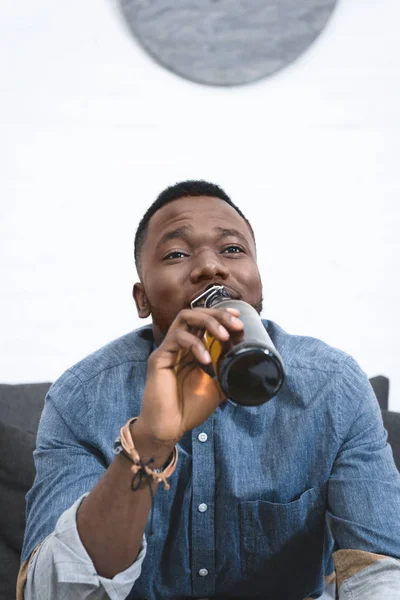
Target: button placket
{"type": "Point", "coordinates": [203, 533]}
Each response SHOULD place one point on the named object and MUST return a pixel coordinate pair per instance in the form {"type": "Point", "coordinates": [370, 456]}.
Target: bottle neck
{"type": "Point", "coordinates": [216, 296]}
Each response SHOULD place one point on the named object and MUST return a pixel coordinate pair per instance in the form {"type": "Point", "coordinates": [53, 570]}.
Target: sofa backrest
{"type": "Point", "coordinates": [20, 410]}
{"type": "Point", "coordinates": [21, 405]}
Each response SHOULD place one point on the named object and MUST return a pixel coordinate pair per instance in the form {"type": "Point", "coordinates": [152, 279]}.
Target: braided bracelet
{"type": "Point", "coordinates": [124, 444]}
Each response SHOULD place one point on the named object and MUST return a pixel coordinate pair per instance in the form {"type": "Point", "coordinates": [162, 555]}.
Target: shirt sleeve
{"type": "Point", "coordinates": [67, 463]}
{"type": "Point", "coordinates": [62, 569]}
{"type": "Point", "coordinates": [366, 576]}
{"type": "Point", "coordinates": [68, 466]}
{"type": "Point", "coordinates": [364, 495]}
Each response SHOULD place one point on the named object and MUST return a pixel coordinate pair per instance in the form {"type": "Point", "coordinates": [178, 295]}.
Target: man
{"type": "Point", "coordinates": [261, 498]}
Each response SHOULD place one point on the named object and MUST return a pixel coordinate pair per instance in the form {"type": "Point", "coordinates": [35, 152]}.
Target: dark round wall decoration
{"type": "Point", "coordinates": [226, 42]}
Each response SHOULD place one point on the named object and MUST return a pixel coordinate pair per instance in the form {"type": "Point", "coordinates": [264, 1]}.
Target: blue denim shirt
{"type": "Point", "coordinates": [261, 496]}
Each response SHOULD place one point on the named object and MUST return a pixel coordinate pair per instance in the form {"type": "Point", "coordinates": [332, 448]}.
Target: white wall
{"type": "Point", "coordinates": [92, 129]}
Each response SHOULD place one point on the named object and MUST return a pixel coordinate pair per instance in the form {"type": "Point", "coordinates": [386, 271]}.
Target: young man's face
{"type": "Point", "coordinates": [192, 243]}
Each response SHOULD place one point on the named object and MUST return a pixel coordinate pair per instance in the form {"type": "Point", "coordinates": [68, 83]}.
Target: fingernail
{"type": "Point", "coordinates": [236, 321]}
{"type": "Point", "coordinates": [207, 355]}
{"type": "Point", "coordinates": [222, 330]}
{"type": "Point", "coordinates": [233, 311]}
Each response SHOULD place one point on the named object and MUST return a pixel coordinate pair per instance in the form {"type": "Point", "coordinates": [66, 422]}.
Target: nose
{"type": "Point", "coordinates": [208, 267]}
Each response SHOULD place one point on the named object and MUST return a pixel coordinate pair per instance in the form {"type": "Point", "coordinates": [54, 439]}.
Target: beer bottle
{"type": "Point", "coordinates": [248, 367]}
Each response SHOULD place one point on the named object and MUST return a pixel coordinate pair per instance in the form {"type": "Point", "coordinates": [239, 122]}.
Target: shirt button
{"type": "Point", "coordinates": [202, 437]}
{"type": "Point", "coordinates": [202, 507]}
{"type": "Point", "coordinates": [203, 572]}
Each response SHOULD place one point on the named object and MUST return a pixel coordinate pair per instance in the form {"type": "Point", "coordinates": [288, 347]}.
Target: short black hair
{"type": "Point", "coordinates": [182, 189]}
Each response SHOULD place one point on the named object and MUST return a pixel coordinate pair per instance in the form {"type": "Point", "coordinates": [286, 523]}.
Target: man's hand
{"type": "Point", "coordinates": [179, 395]}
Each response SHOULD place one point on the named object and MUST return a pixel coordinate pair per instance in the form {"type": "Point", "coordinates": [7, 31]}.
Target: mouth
{"type": "Point", "coordinates": [198, 300]}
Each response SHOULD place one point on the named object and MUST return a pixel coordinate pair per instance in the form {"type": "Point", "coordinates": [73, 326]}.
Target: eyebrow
{"type": "Point", "coordinates": [184, 232]}
{"type": "Point", "coordinates": [181, 233]}
{"type": "Point", "coordinates": [223, 233]}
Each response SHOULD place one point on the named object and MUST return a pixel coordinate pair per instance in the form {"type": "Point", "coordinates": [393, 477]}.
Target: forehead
{"type": "Point", "coordinates": [199, 212]}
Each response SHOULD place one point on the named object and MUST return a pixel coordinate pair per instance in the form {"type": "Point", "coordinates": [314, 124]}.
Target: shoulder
{"type": "Point", "coordinates": [134, 347]}
{"type": "Point", "coordinates": [104, 373]}
{"type": "Point", "coordinates": [305, 352]}
{"type": "Point", "coordinates": [317, 374]}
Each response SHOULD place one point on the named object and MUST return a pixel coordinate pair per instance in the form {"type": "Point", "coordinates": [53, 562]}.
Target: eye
{"type": "Point", "coordinates": [233, 249]}
{"type": "Point", "coordinates": [175, 254]}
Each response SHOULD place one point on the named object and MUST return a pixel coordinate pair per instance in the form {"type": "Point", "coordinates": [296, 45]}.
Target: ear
{"type": "Point", "coordinates": [141, 301]}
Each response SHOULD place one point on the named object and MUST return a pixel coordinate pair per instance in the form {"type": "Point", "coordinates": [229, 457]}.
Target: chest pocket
{"type": "Point", "coordinates": [282, 544]}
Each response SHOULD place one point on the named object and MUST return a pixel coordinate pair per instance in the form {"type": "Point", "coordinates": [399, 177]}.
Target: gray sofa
{"type": "Point", "coordinates": [20, 410]}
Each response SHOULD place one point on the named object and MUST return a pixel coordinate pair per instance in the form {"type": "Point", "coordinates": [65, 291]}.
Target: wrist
{"type": "Point", "coordinates": [149, 445]}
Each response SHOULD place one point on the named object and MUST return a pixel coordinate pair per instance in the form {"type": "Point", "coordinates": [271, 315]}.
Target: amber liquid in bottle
{"type": "Point", "coordinates": [248, 367]}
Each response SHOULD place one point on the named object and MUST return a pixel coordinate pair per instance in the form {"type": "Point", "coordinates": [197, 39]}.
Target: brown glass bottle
{"type": "Point", "coordinates": [248, 367]}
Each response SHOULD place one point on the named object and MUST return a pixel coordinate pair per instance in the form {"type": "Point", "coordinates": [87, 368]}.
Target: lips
{"type": "Point", "coordinates": [231, 292]}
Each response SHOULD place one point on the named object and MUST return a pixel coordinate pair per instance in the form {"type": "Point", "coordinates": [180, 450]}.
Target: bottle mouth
{"type": "Point", "coordinates": [209, 297]}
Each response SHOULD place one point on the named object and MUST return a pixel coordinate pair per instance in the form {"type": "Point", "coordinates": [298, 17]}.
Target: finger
{"type": "Point", "coordinates": [184, 343]}
{"type": "Point", "coordinates": [197, 331]}
{"type": "Point", "coordinates": [228, 321]}
{"type": "Point", "coordinates": [217, 322]}
{"type": "Point", "coordinates": [182, 360]}
{"type": "Point", "coordinates": [227, 316]}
